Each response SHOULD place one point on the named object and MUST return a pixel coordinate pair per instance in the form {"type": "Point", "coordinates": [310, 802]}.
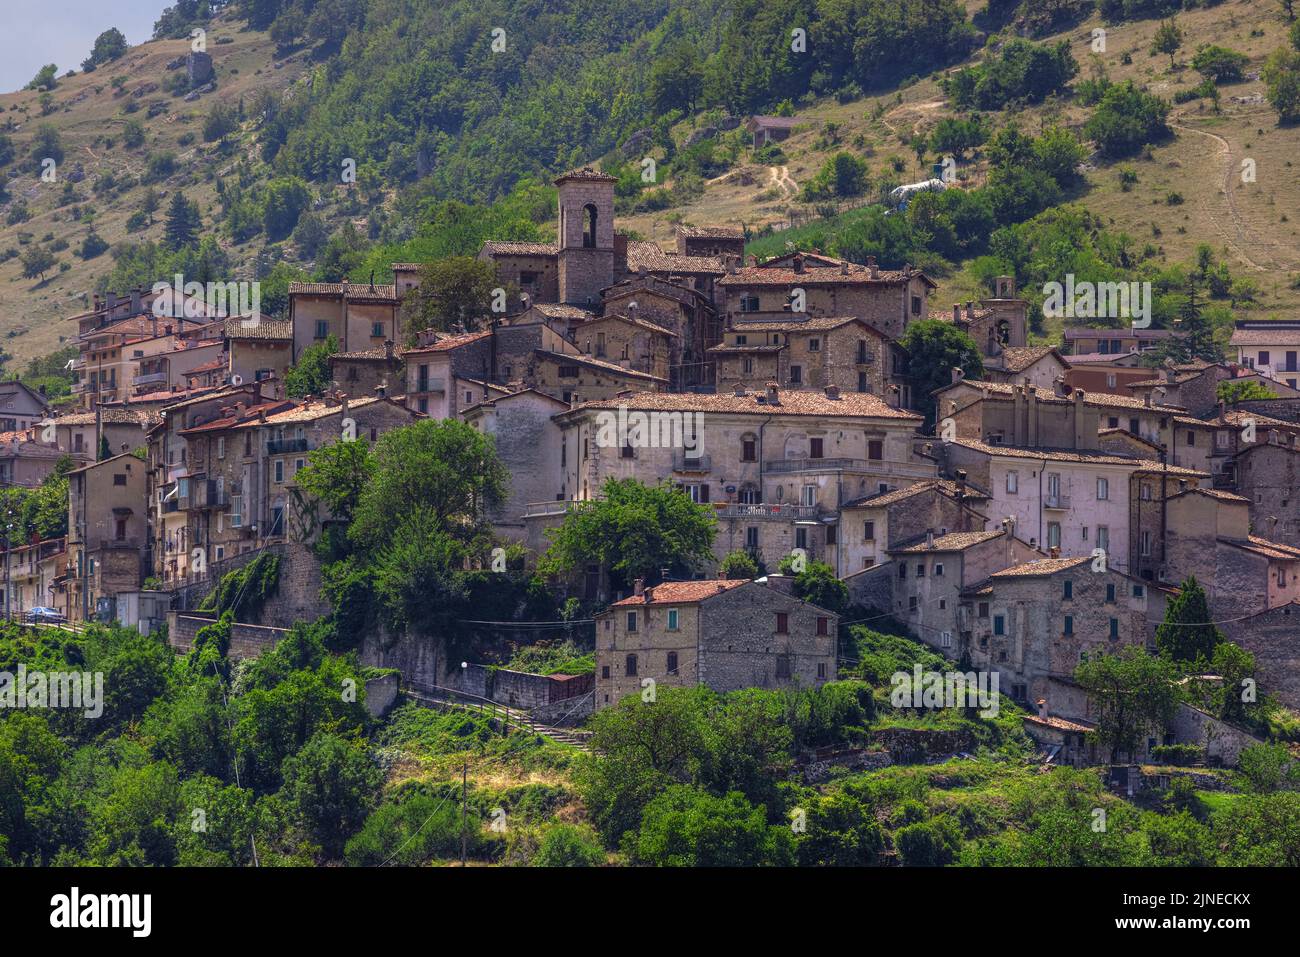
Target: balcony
{"type": "Point", "coordinates": [149, 378]}
{"type": "Point", "coordinates": [542, 509]}
{"type": "Point", "coordinates": [881, 467]}
{"type": "Point", "coordinates": [1057, 502]}
{"type": "Point", "coordinates": [685, 462]}
{"type": "Point", "coordinates": [204, 493]}
{"type": "Point", "coordinates": [438, 384]}
{"type": "Point", "coordinates": [287, 446]}
{"type": "Point", "coordinates": [785, 513]}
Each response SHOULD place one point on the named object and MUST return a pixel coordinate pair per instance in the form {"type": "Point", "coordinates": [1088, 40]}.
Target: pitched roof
{"type": "Point", "coordinates": [637, 321]}
{"type": "Point", "coordinates": [586, 173]}
{"type": "Point", "coordinates": [1060, 724]}
{"type": "Point", "coordinates": [850, 274]}
{"type": "Point", "coordinates": [880, 499]}
{"type": "Point", "coordinates": [806, 324]}
{"type": "Point", "coordinates": [449, 343]}
{"type": "Point", "coordinates": [1102, 400]}
{"type": "Point", "coordinates": [520, 249]}
{"type": "Point", "coordinates": [351, 290]}
{"type": "Point", "coordinates": [648, 256]}
{"type": "Point", "coordinates": [952, 542]}
{"type": "Point", "coordinates": [318, 409]}
{"type": "Point", "coordinates": [1264, 548]}
{"type": "Point", "coordinates": [110, 416]}
{"type": "Point", "coordinates": [790, 402]}
{"type": "Point", "coordinates": [1041, 566]}
{"type": "Point", "coordinates": [558, 310]}
{"type": "Point", "coordinates": [1020, 358]}
{"type": "Point", "coordinates": [600, 365]}
{"type": "Point", "coordinates": [1088, 332]}
{"type": "Point", "coordinates": [1286, 335]}
{"type": "Point", "coordinates": [711, 232]}
{"type": "Point", "coordinates": [681, 593]}
{"type": "Point", "coordinates": [1080, 456]}
{"type": "Point", "coordinates": [1219, 494]}
{"type": "Point", "coordinates": [271, 329]}
{"type": "Point", "coordinates": [774, 122]}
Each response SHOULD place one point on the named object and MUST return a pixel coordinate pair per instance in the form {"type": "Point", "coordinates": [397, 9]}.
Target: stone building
{"type": "Point", "coordinates": [1112, 342]}
{"type": "Point", "coordinates": [633, 343]}
{"type": "Point", "coordinates": [1035, 621]}
{"type": "Point", "coordinates": [24, 460]}
{"type": "Point", "coordinates": [21, 407]}
{"type": "Point", "coordinates": [1271, 636]}
{"type": "Point", "coordinates": [807, 352]}
{"type": "Point", "coordinates": [261, 351]}
{"type": "Point", "coordinates": [724, 634]}
{"type": "Point", "coordinates": [717, 241]}
{"type": "Point", "coordinates": [360, 316]}
{"type": "Point", "coordinates": [871, 525]}
{"type": "Point", "coordinates": [1072, 499]}
{"type": "Point", "coordinates": [1267, 474]}
{"type": "Point", "coordinates": [527, 441]}
{"type": "Point", "coordinates": [573, 378]}
{"type": "Point", "coordinates": [776, 466]}
{"type": "Point", "coordinates": [998, 323]}
{"type": "Point", "coordinates": [362, 373]}
{"type": "Point", "coordinates": [1209, 536]}
{"type": "Point", "coordinates": [888, 300]}
{"type": "Point", "coordinates": [1039, 366]}
{"type": "Point", "coordinates": [108, 526]}
{"type": "Point", "coordinates": [1271, 347]}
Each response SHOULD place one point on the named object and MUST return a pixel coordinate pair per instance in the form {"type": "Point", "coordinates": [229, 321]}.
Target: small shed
{"type": "Point", "coordinates": [769, 129]}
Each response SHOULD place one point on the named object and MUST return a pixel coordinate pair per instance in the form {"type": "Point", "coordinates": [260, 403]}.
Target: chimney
{"type": "Point", "coordinates": [381, 390]}
{"type": "Point", "coordinates": [649, 595]}
{"type": "Point", "coordinates": [798, 262]}
{"type": "Point", "coordinates": [1059, 386]}
{"type": "Point", "coordinates": [957, 375]}
{"type": "Point", "coordinates": [388, 349]}
{"type": "Point", "coordinates": [1042, 707]}
{"type": "Point", "coordinates": [970, 309]}
{"type": "Point", "coordinates": [135, 300]}
{"type": "Point", "coordinates": [1146, 399]}
{"type": "Point", "coordinates": [753, 260]}
{"type": "Point", "coordinates": [1055, 551]}
{"type": "Point", "coordinates": [343, 403]}
{"type": "Point", "coordinates": [872, 268]}
{"type": "Point", "coordinates": [956, 312]}
{"type": "Point", "coordinates": [833, 392]}
{"type": "Point", "coordinates": [844, 269]}
{"type": "Point", "coordinates": [638, 587]}
{"type": "Point", "coordinates": [740, 392]}
{"type": "Point", "coordinates": [261, 415]}
{"type": "Point", "coordinates": [773, 395]}
{"type": "Point", "coordinates": [633, 308]}
{"type": "Point", "coordinates": [929, 538]}
{"type": "Point", "coordinates": [1182, 485]}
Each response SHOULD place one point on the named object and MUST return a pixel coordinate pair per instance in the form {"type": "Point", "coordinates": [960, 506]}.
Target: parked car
{"type": "Point", "coordinates": [43, 615]}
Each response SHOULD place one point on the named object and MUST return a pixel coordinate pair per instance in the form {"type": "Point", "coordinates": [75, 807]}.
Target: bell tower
{"type": "Point", "coordinates": [586, 236]}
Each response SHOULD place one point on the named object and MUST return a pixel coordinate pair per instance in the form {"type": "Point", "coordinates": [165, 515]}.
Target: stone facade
{"type": "Point", "coordinates": [1273, 637]}
{"type": "Point", "coordinates": [724, 634]}
{"type": "Point", "coordinates": [108, 524]}
{"type": "Point", "coordinates": [586, 236]}
{"type": "Point", "coordinates": [804, 352]}
{"type": "Point", "coordinates": [1268, 477]}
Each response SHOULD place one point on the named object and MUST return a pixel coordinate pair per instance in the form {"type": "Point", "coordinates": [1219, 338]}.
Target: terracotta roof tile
{"type": "Point", "coordinates": [789, 402]}
{"type": "Point", "coordinates": [449, 343]}
{"type": "Point", "coordinates": [711, 232]}
{"type": "Point", "coordinates": [1042, 566]}
{"type": "Point", "coordinates": [648, 256]}
{"type": "Point", "coordinates": [680, 593]}
{"type": "Point", "coordinates": [952, 542]}
{"type": "Point", "coordinates": [520, 249]}
{"type": "Point", "coordinates": [850, 275]}
{"type": "Point", "coordinates": [274, 329]}
{"type": "Point", "coordinates": [1080, 456]}
{"type": "Point", "coordinates": [880, 499]}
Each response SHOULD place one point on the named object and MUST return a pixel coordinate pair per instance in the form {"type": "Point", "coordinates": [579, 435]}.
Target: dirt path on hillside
{"type": "Point", "coordinates": [1235, 233]}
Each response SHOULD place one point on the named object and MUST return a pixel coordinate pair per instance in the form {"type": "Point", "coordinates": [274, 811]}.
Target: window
{"type": "Point", "coordinates": [823, 624]}
{"type": "Point", "coordinates": [377, 330]}
{"type": "Point", "coordinates": [1114, 628]}
{"type": "Point", "coordinates": [815, 448]}
{"type": "Point", "coordinates": [1103, 537]}
{"type": "Point", "coordinates": [801, 538]}
{"type": "Point", "coordinates": [875, 449]}
{"type": "Point", "coordinates": [1146, 543]}
{"type": "Point", "coordinates": [782, 623]}
{"type": "Point", "coordinates": [1113, 422]}
{"type": "Point", "coordinates": [119, 530]}
{"type": "Point", "coordinates": [1110, 380]}
{"type": "Point", "coordinates": [1053, 534]}
{"type": "Point", "coordinates": [751, 537]}
{"type": "Point", "coordinates": [1191, 437]}
{"type": "Point", "coordinates": [236, 511]}
{"type": "Point", "coordinates": [1110, 594]}
{"type": "Point", "coordinates": [627, 452]}
{"type": "Point", "coordinates": [999, 625]}
{"type": "Point", "coordinates": [749, 304]}
{"type": "Point", "coordinates": [814, 345]}
{"type": "Point", "coordinates": [783, 666]}
{"type": "Point", "coordinates": [1013, 482]}
{"type": "Point", "coordinates": [938, 569]}
{"type": "Point", "coordinates": [945, 639]}
{"type": "Point", "coordinates": [672, 619]}
{"type": "Point", "coordinates": [279, 470]}
{"type": "Point", "coordinates": [1134, 426]}
{"type": "Point", "coordinates": [868, 531]}
{"type": "Point", "coordinates": [1068, 592]}
{"type": "Point", "coordinates": [604, 671]}
{"type": "Point", "coordinates": [631, 621]}
{"type": "Point", "coordinates": [119, 479]}
{"type": "Point", "coordinates": [902, 569]}
{"type": "Point", "coordinates": [221, 446]}
{"type": "Point", "coordinates": [983, 609]}
{"type": "Point", "coordinates": [748, 450]}
{"type": "Point", "coordinates": [810, 495]}
{"type": "Point", "coordinates": [629, 666]}
{"type": "Point", "coordinates": [832, 535]}
{"type": "Point", "coordinates": [920, 569]}
{"type": "Point", "coordinates": [1069, 624]}
{"type": "Point", "coordinates": [672, 662]}
{"type": "Point", "coordinates": [1263, 357]}
{"type": "Point", "coordinates": [567, 372]}
{"type": "Point", "coordinates": [1139, 591]}
{"type": "Point", "coordinates": [796, 375]}
{"type": "Point", "coordinates": [322, 329]}
{"type": "Point", "coordinates": [911, 603]}
{"type": "Point", "coordinates": [821, 669]}
{"type": "Point", "coordinates": [1103, 489]}
{"type": "Point", "coordinates": [1144, 491]}
{"type": "Point", "coordinates": [916, 305]}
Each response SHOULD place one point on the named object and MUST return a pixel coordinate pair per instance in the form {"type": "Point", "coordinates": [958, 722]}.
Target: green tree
{"type": "Point", "coordinates": [1282, 77]}
{"type": "Point", "coordinates": [634, 531]}
{"type": "Point", "coordinates": [181, 230]}
{"type": "Point", "coordinates": [310, 375]}
{"type": "Point", "coordinates": [285, 199]}
{"type": "Point", "coordinates": [44, 79]}
{"type": "Point", "coordinates": [331, 784]}
{"type": "Point", "coordinates": [677, 78]}
{"type": "Point", "coordinates": [738, 565]}
{"type": "Point", "coordinates": [46, 144]}
{"type": "Point", "coordinates": [686, 827]}
{"type": "Point", "coordinates": [1134, 694]}
{"type": "Point", "coordinates": [569, 845]}
{"type": "Point", "coordinates": [1233, 391]}
{"type": "Point", "coordinates": [934, 349]}
{"type": "Point", "coordinates": [1127, 119]}
{"type": "Point", "coordinates": [1236, 666]}
{"type": "Point", "coordinates": [1268, 767]}
{"type": "Point", "coordinates": [455, 294]}
{"type": "Point", "coordinates": [109, 45]}
{"type": "Point", "coordinates": [1219, 63]}
{"type": "Point", "coordinates": [1168, 39]}
{"type": "Point", "coordinates": [817, 584]}
{"type": "Point", "coordinates": [1188, 634]}
{"type": "Point", "coordinates": [336, 475]}
{"type": "Point", "coordinates": [37, 261]}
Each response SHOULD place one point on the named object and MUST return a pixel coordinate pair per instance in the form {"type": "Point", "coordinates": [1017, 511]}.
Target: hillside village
{"type": "Point", "coordinates": [528, 489]}
{"type": "Point", "coordinates": [982, 542]}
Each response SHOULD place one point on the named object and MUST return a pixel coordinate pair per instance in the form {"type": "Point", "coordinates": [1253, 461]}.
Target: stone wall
{"type": "Point", "coordinates": [1273, 637]}
{"type": "Point", "coordinates": [1223, 743]}
{"type": "Point", "coordinates": [246, 641]}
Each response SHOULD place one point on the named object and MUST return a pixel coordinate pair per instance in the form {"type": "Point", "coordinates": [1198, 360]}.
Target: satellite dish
{"type": "Point", "coordinates": [236, 379]}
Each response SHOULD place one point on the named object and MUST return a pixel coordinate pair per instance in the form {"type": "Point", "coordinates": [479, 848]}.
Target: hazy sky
{"type": "Point", "coordinates": [36, 32]}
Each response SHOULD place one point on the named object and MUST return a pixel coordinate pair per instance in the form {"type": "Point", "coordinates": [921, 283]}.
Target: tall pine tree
{"type": "Point", "coordinates": [182, 228]}
{"type": "Point", "coordinates": [1187, 634]}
